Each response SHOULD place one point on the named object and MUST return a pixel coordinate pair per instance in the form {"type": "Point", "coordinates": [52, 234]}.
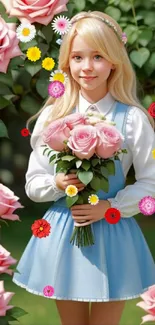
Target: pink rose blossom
{"type": "Point", "coordinates": [56, 89]}
{"type": "Point", "coordinates": [73, 120]}
{"type": "Point", "coordinates": [148, 304]}
{"type": "Point", "coordinates": [8, 204]}
{"type": "Point", "coordinates": [8, 44]}
{"type": "Point", "coordinates": [5, 261]}
{"type": "Point", "coordinates": [40, 11]}
{"type": "Point", "coordinates": [54, 135]}
{"type": "Point", "coordinates": [4, 299]}
{"type": "Point", "coordinates": [83, 141]}
{"type": "Point", "coordinates": [147, 205]}
{"type": "Point", "coordinates": [110, 140]}
{"type": "Point", "coordinates": [48, 291]}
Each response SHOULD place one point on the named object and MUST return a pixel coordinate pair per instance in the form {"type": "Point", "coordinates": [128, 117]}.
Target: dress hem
{"type": "Point", "coordinates": [76, 299]}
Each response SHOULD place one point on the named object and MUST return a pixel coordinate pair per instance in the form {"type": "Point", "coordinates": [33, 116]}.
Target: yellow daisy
{"type": "Point", "coordinates": [153, 153]}
{"type": "Point", "coordinates": [71, 190]}
{"type": "Point", "coordinates": [58, 75]}
{"type": "Point", "coordinates": [93, 199]}
{"type": "Point", "coordinates": [33, 53]}
{"type": "Point", "coordinates": [48, 63]}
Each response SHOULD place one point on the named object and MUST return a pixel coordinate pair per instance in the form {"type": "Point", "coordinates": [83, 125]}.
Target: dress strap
{"type": "Point", "coordinates": [120, 114]}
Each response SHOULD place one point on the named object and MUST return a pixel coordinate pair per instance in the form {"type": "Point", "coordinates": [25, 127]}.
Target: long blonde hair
{"type": "Point", "coordinates": [122, 83]}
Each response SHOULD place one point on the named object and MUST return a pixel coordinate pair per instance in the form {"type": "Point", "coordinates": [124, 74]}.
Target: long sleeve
{"type": "Point", "coordinates": [40, 177]}
{"type": "Point", "coordinates": [140, 139]}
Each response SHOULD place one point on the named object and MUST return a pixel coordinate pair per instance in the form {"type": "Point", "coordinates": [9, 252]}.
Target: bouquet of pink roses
{"type": "Point", "coordinates": [88, 144]}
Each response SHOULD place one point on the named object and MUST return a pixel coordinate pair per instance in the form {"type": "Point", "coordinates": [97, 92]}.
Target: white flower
{"type": "Point", "coordinates": [26, 32]}
{"type": "Point", "coordinates": [61, 25]}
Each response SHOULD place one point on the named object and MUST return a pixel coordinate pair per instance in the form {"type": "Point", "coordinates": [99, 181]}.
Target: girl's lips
{"type": "Point", "coordinates": [88, 78]}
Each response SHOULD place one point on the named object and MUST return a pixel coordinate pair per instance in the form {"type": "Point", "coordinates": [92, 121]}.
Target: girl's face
{"type": "Point", "coordinates": [86, 62]}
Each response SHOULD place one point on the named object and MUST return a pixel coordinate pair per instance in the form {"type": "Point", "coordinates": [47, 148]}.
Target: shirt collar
{"type": "Point", "coordinates": [104, 105]}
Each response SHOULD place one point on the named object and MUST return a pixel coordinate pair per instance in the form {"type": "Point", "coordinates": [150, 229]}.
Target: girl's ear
{"type": "Point", "coordinates": [113, 67]}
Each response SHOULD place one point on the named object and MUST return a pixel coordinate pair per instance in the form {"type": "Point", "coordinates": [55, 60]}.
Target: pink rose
{"type": "Point", "coordinates": [73, 120]}
{"type": "Point", "coordinates": [148, 304]}
{"type": "Point", "coordinates": [83, 141]}
{"type": "Point", "coordinates": [110, 140]}
{"type": "Point", "coordinates": [40, 11]}
{"type": "Point", "coordinates": [8, 44]}
{"type": "Point", "coordinates": [4, 299]}
{"type": "Point", "coordinates": [56, 132]}
{"type": "Point", "coordinates": [8, 204]}
{"type": "Point", "coordinates": [5, 261]}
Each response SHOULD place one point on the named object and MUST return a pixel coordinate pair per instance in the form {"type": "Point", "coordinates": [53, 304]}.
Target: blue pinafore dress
{"type": "Point", "coordinates": [119, 266]}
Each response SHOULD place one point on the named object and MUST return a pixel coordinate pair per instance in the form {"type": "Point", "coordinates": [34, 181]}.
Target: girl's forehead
{"type": "Point", "coordinates": [80, 45]}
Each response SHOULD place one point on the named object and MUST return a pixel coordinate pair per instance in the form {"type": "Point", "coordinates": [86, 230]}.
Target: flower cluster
{"type": "Point", "coordinates": [87, 144]}
{"type": "Point", "coordinates": [8, 203]}
{"type": "Point", "coordinates": [148, 304]}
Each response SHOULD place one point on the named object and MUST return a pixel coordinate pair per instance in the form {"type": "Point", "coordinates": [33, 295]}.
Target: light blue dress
{"type": "Point", "coordinates": [119, 266]}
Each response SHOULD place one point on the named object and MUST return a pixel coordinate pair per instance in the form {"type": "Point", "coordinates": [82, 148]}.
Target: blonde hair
{"type": "Point", "coordinates": [122, 83]}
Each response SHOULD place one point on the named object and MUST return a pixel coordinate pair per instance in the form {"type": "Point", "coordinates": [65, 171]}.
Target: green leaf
{"type": "Point", "coordinates": [6, 79]}
{"type": "Point", "coordinates": [79, 5]}
{"type": "Point", "coordinates": [147, 101]}
{"type": "Point", "coordinates": [48, 33]}
{"type": "Point", "coordinates": [93, 1]}
{"type": "Point", "coordinates": [53, 159]}
{"type": "Point", "coordinates": [95, 183]}
{"type": "Point", "coordinates": [86, 164]}
{"type": "Point", "coordinates": [26, 46]}
{"type": "Point", "coordinates": [71, 200]}
{"type": "Point", "coordinates": [33, 67]}
{"type": "Point", "coordinates": [85, 177]}
{"type": "Point", "coordinates": [16, 312]}
{"type": "Point", "coordinates": [132, 33]}
{"type": "Point", "coordinates": [104, 184]}
{"type": "Point", "coordinates": [113, 12]}
{"type": "Point", "coordinates": [46, 149]}
{"type": "Point", "coordinates": [140, 57]}
{"type": "Point", "coordinates": [30, 104]}
{"type": "Point", "coordinates": [78, 163]}
{"type": "Point", "coordinates": [3, 130]}
{"type": "Point", "coordinates": [95, 161]}
{"type": "Point", "coordinates": [80, 200]}
{"type": "Point", "coordinates": [149, 67]}
{"type": "Point", "coordinates": [104, 171]}
{"type": "Point", "coordinates": [125, 5]}
{"type": "Point", "coordinates": [145, 37]}
{"type": "Point", "coordinates": [4, 90]}
{"type": "Point", "coordinates": [110, 165]}
{"type": "Point", "coordinates": [42, 87]}
{"type": "Point", "coordinates": [4, 102]}
{"type": "Point", "coordinates": [68, 158]}
{"type": "Point", "coordinates": [149, 18]}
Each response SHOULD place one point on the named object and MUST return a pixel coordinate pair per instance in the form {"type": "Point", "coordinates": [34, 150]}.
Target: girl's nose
{"type": "Point", "coordinates": [87, 64]}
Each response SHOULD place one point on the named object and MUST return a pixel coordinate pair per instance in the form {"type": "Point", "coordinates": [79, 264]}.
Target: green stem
{"type": "Point", "coordinates": [134, 16]}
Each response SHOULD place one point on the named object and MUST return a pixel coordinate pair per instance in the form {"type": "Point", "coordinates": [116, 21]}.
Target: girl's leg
{"type": "Point", "coordinates": [73, 312]}
{"type": "Point", "coordinates": [106, 313]}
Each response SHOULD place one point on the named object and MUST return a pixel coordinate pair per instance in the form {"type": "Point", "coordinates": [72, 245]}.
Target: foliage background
{"type": "Point", "coordinates": [23, 91]}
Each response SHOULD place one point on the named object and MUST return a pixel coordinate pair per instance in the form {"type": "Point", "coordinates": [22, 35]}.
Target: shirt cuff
{"type": "Point", "coordinates": [115, 204]}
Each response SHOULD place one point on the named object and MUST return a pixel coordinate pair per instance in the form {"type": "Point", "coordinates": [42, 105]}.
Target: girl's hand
{"type": "Point", "coordinates": [62, 181]}
{"type": "Point", "coordinates": [89, 213]}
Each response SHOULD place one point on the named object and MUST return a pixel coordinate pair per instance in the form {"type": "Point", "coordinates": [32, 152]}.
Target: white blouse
{"type": "Point", "coordinates": [140, 141]}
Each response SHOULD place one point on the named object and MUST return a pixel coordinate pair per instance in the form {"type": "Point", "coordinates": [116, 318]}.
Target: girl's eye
{"type": "Point", "coordinates": [77, 56]}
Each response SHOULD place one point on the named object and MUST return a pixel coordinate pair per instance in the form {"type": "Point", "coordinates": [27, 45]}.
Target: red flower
{"type": "Point", "coordinates": [41, 228]}
{"type": "Point", "coordinates": [24, 132]}
{"type": "Point", "coordinates": [151, 110]}
{"type": "Point", "coordinates": [112, 215]}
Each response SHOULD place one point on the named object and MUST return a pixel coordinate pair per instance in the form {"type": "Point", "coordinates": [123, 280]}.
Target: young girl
{"type": "Point", "coordinates": [119, 266]}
